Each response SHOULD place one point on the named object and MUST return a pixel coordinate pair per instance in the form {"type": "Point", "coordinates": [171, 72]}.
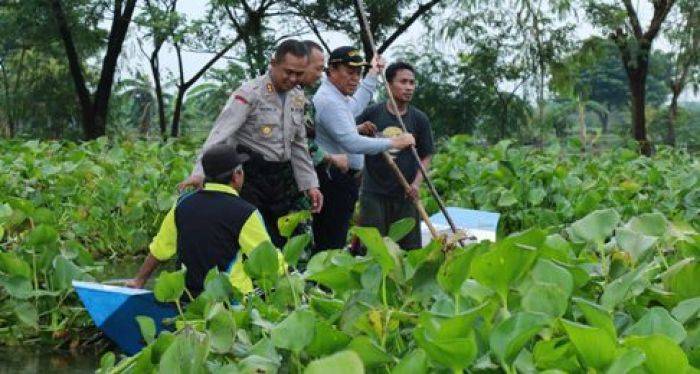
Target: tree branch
{"type": "Point", "coordinates": [211, 62]}
{"type": "Point", "coordinates": [661, 10]}
{"type": "Point", "coordinates": [634, 19]}
{"type": "Point", "coordinates": [406, 24]}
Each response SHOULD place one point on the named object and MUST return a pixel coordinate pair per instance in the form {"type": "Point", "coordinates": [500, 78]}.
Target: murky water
{"type": "Point", "coordinates": [21, 360]}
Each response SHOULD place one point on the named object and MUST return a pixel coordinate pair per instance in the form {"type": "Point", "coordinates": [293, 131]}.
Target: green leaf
{"type": "Point", "coordinates": [596, 226]}
{"type": "Point", "coordinates": [449, 341]}
{"type": "Point", "coordinates": [545, 298]}
{"type": "Point", "coordinates": [413, 362]}
{"type": "Point", "coordinates": [401, 228]}
{"type": "Point", "coordinates": [369, 352]}
{"type": "Point", "coordinates": [557, 353]}
{"type": "Point", "coordinates": [288, 223]}
{"type": "Point", "coordinates": [295, 332]}
{"type": "Point", "coordinates": [43, 236]}
{"type": "Point", "coordinates": [375, 247]}
{"type": "Point", "coordinates": [345, 362]}
{"type": "Point", "coordinates": [507, 199]}
{"type": "Point", "coordinates": [626, 361]}
{"type": "Point", "coordinates": [505, 264]}
{"type": "Point", "coordinates": [557, 248]}
{"type": "Point", "coordinates": [221, 328]}
{"type": "Point", "coordinates": [262, 265]}
{"type": "Point", "coordinates": [218, 286]}
{"type": "Point", "coordinates": [147, 327]}
{"type": "Point", "coordinates": [327, 340]}
{"type": "Point", "coordinates": [107, 362]}
{"type": "Point", "coordinates": [27, 314]}
{"type": "Point", "coordinates": [536, 195]}
{"type": "Point", "coordinates": [635, 243]}
{"type": "Point", "coordinates": [687, 310]}
{"type": "Point", "coordinates": [294, 247]}
{"type": "Point", "coordinates": [594, 345]}
{"type": "Point", "coordinates": [187, 354]}
{"type": "Point", "coordinates": [651, 224]}
{"type": "Point", "coordinates": [17, 286]}
{"type": "Point", "coordinates": [597, 316]}
{"type": "Point", "coordinates": [682, 279]}
{"type": "Point", "coordinates": [11, 264]}
{"type": "Point", "coordinates": [657, 320]}
{"type": "Point", "coordinates": [169, 286]}
{"type": "Point", "coordinates": [65, 271]}
{"type": "Point", "coordinates": [454, 271]}
{"type": "Point", "coordinates": [511, 335]}
{"type": "Point", "coordinates": [663, 355]}
{"type": "Point", "coordinates": [619, 290]}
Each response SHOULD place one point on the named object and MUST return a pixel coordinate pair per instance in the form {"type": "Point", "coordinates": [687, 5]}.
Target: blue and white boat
{"type": "Point", "coordinates": [114, 310]}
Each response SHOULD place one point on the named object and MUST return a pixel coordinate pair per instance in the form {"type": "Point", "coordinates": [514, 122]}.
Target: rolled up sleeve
{"type": "Point", "coordinates": [164, 244]}
{"type": "Point", "coordinates": [339, 123]}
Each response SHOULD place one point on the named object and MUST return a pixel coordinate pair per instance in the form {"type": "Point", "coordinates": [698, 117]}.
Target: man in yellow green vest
{"type": "Point", "coordinates": [211, 227]}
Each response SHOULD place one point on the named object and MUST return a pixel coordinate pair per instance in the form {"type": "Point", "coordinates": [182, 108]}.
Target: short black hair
{"type": "Point", "coordinates": [293, 46]}
{"type": "Point", "coordinates": [311, 45]}
{"type": "Point", "coordinates": [394, 67]}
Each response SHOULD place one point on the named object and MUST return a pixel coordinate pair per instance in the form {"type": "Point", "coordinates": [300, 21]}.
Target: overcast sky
{"type": "Point", "coordinates": [196, 9]}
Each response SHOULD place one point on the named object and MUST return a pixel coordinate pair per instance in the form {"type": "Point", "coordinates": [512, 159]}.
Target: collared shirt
{"type": "Point", "coordinates": [208, 228]}
{"type": "Point", "coordinates": [256, 117]}
{"type": "Point", "coordinates": [336, 131]}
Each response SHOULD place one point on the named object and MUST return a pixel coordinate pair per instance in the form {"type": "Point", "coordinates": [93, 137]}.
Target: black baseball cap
{"type": "Point", "coordinates": [347, 55]}
{"type": "Point", "coordinates": [221, 159]}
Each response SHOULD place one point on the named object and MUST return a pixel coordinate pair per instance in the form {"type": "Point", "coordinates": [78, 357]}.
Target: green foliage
{"type": "Point", "coordinates": [63, 205]}
{"type": "Point", "coordinates": [536, 298]}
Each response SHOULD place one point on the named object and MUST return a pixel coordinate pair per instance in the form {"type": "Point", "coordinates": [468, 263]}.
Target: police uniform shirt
{"type": "Point", "coordinates": [256, 117]}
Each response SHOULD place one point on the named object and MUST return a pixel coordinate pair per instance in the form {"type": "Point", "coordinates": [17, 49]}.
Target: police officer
{"type": "Point", "coordinates": [264, 118]}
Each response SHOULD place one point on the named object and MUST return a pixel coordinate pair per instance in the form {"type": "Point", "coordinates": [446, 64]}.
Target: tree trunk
{"type": "Point", "coordinates": [582, 123]}
{"type": "Point", "coordinates": [672, 114]}
{"type": "Point", "coordinates": [637, 81]}
{"type": "Point", "coordinates": [94, 113]}
{"type": "Point", "coordinates": [155, 67]}
{"type": "Point", "coordinates": [175, 127]}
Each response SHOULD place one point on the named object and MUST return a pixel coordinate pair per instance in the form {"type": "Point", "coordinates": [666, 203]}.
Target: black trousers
{"type": "Point", "coordinates": [270, 187]}
{"type": "Point", "coordinates": [340, 192]}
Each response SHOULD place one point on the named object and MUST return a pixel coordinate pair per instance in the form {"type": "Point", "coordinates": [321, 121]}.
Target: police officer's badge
{"type": "Point", "coordinates": [270, 88]}
{"type": "Point", "coordinates": [266, 130]}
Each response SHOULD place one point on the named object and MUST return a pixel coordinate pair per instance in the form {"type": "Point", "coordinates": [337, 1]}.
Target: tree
{"type": "Point", "coordinates": [684, 33]}
{"type": "Point", "coordinates": [37, 97]}
{"type": "Point", "coordinates": [94, 108]}
{"type": "Point", "coordinates": [160, 20]}
{"type": "Point", "coordinates": [634, 45]}
{"type": "Point", "coordinates": [387, 19]}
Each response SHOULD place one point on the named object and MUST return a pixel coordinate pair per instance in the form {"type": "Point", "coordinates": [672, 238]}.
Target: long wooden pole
{"type": "Point", "coordinates": [365, 26]}
{"type": "Point", "coordinates": [416, 201]}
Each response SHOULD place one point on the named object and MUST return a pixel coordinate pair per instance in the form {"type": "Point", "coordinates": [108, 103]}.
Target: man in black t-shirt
{"type": "Point", "coordinates": [383, 200]}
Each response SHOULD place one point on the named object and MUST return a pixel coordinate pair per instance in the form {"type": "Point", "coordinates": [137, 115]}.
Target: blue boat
{"type": "Point", "coordinates": [114, 310]}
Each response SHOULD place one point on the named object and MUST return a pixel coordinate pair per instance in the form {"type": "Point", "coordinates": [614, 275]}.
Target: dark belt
{"type": "Point", "coordinates": [258, 163]}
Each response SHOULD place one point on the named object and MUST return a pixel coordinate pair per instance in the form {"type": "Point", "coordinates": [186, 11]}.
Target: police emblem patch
{"type": "Point", "coordinates": [266, 130]}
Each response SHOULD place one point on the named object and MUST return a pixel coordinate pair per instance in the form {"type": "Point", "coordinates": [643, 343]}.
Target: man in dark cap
{"type": "Point", "coordinates": [336, 132]}
{"type": "Point", "coordinates": [211, 227]}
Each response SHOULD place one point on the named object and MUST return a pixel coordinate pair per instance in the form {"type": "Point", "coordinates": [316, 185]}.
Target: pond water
{"type": "Point", "coordinates": [21, 360]}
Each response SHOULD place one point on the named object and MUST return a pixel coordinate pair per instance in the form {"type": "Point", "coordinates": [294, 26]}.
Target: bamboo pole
{"type": "Point", "coordinates": [365, 26]}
